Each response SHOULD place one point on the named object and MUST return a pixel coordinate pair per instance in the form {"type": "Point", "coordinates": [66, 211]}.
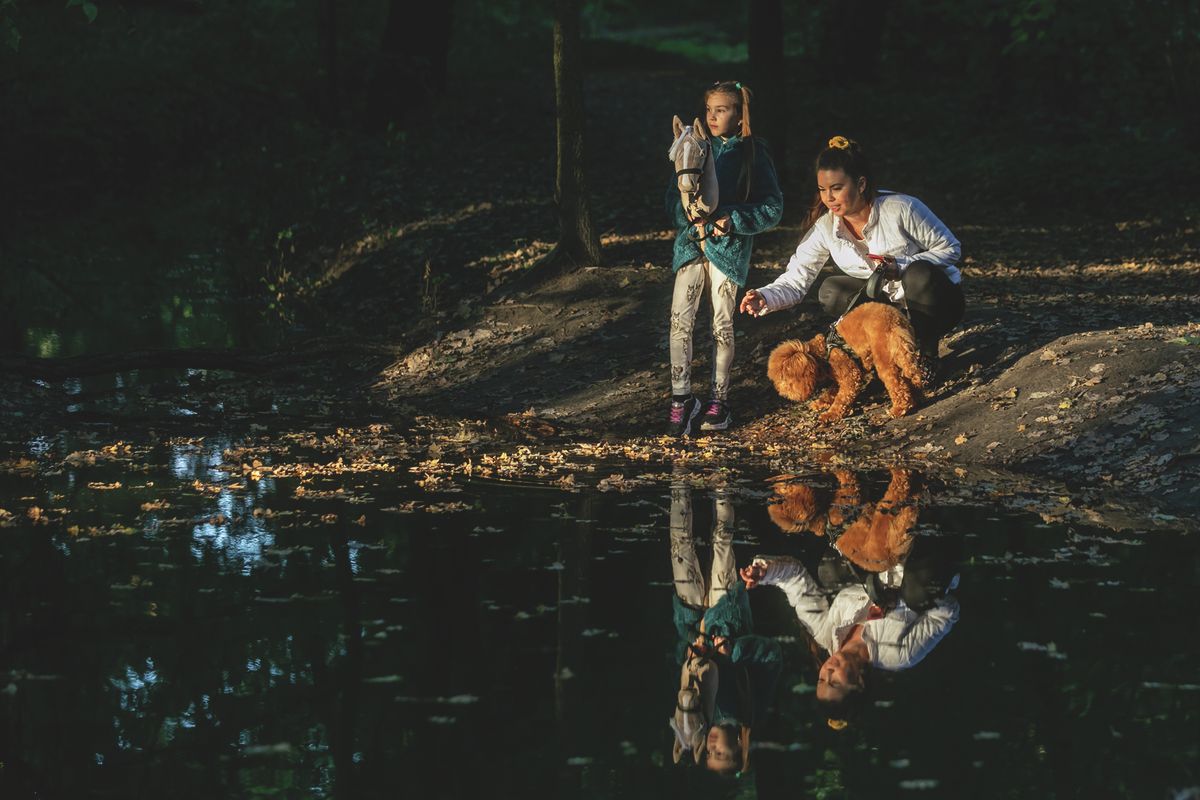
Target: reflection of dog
{"type": "Point", "coordinates": [879, 336]}
{"type": "Point", "coordinates": [882, 535]}
{"type": "Point", "coordinates": [806, 508]}
{"type": "Point", "coordinates": [695, 706]}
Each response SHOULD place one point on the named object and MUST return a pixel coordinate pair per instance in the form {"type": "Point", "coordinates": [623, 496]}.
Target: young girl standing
{"type": "Point", "coordinates": [750, 203]}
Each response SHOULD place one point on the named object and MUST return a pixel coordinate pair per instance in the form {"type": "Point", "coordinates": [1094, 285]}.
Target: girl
{"type": "Point", "coordinates": [750, 203]}
{"type": "Point", "coordinates": [864, 229]}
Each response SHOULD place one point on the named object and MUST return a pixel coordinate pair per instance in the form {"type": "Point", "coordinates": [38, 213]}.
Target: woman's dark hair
{"type": "Point", "coordinates": [848, 156]}
{"type": "Point", "coordinates": [741, 94]}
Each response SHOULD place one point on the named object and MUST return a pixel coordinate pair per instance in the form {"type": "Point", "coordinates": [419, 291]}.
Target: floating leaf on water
{"type": "Point", "coordinates": [920, 784]}
{"type": "Point", "coordinates": [984, 736]}
{"type": "Point", "coordinates": [384, 679]}
{"type": "Point", "coordinates": [279, 749]}
{"type": "Point", "coordinates": [899, 763]}
{"type": "Point", "coordinates": [1055, 583]}
{"type": "Point", "coordinates": [579, 761]}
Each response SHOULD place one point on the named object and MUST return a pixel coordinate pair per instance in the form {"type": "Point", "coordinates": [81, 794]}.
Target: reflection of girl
{"type": "Point", "coordinates": [714, 621]}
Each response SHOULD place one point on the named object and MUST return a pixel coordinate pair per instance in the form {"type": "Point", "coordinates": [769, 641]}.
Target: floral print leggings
{"type": "Point", "coordinates": [690, 283]}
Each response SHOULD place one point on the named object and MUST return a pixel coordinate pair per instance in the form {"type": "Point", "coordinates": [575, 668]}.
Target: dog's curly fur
{"type": "Point", "coordinates": [881, 338]}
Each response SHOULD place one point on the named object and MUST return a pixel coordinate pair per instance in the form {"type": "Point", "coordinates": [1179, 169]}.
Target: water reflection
{"type": "Point", "coordinates": [727, 673]}
{"type": "Point", "coordinates": [870, 591]}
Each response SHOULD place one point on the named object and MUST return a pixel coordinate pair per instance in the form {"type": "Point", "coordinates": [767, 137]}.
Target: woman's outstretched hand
{"type": "Point", "coordinates": [753, 304]}
{"type": "Point", "coordinates": [752, 574]}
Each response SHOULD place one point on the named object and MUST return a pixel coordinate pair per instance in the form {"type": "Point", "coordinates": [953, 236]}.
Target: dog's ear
{"type": "Point", "coordinates": [793, 371]}
{"type": "Point", "coordinates": [796, 508]}
{"type": "Point", "coordinates": [816, 345]}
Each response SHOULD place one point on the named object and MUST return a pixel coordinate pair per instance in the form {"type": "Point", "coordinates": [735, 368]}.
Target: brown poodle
{"type": "Point", "coordinates": [879, 336]}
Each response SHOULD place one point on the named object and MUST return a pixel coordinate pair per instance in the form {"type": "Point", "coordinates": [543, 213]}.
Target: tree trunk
{"type": "Point", "coordinates": [327, 38]}
{"type": "Point", "coordinates": [412, 68]}
{"type": "Point", "coordinates": [578, 242]}
{"type": "Point", "coordinates": [768, 78]}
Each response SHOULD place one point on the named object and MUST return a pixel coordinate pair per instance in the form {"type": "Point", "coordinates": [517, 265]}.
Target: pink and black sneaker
{"type": "Point", "coordinates": [682, 415]}
{"type": "Point", "coordinates": [716, 417]}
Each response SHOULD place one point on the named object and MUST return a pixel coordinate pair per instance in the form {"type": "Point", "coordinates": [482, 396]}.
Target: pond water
{"type": "Point", "coordinates": [203, 629]}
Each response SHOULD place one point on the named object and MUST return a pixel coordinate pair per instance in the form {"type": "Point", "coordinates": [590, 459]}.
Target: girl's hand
{"type": "Point", "coordinates": [753, 304]}
{"type": "Point", "coordinates": [721, 226]}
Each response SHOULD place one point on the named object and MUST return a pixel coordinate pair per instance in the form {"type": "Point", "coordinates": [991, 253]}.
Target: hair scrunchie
{"type": "Point", "coordinates": [840, 143]}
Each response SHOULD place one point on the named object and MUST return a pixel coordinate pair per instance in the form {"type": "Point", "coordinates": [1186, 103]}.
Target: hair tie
{"type": "Point", "coordinates": [837, 724]}
{"type": "Point", "coordinates": [840, 143]}
{"type": "Point", "coordinates": [738, 84]}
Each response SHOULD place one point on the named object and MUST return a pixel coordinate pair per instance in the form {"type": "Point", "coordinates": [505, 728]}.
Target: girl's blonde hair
{"type": "Point", "coordinates": [741, 94]}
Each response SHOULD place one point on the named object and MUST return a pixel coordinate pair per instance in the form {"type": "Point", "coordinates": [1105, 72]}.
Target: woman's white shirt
{"type": "Point", "coordinates": [898, 225]}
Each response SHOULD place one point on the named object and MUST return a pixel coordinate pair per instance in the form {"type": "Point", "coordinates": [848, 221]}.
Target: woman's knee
{"type": "Point", "coordinates": [833, 297]}
{"type": "Point", "coordinates": [920, 277]}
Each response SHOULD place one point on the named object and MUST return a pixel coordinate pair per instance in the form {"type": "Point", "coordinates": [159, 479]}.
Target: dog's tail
{"type": "Point", "coordinates": [903, 348]}
{"type": "Point", "coordinates": [793, 371]}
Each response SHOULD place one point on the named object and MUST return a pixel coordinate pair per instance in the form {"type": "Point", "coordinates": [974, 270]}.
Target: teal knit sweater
{"type": "Point", "coordinates": [761, 211]}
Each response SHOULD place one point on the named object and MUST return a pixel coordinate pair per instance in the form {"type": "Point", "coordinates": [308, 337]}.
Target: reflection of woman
{"type": "Point", "coordinates": [856, 632]}
{"type": "Point", "coordinates": [867, 623]}
{"type": "Point", "coordinates": [714, 622]}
